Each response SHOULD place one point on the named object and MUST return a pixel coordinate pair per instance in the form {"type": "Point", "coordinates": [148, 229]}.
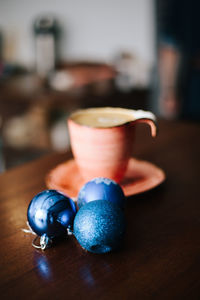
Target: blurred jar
{"type": "Point", "coordinates": [1, 53]}
{"type": "Point", "coordinates": [46, 32]}
{"type": "Point", "coordinates": [132, 72]}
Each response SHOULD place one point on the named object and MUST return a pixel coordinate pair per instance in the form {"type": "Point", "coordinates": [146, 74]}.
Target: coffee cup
{"type": "Point", "coordinates": [102, 139]}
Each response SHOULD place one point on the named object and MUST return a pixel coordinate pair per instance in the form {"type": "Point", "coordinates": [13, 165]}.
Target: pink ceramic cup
{"type": "Point", "coordinates": [104, 151]}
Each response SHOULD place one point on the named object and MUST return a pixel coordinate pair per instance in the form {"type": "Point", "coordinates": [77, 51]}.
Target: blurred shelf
{"type": "Point", "coordinates": [26, 96]}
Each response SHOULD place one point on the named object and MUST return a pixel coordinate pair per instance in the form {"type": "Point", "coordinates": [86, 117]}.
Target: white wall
{"type": "Point", "coordinates": [94, 29]}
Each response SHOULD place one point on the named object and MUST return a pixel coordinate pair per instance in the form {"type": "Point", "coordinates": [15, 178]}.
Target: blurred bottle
{"type": "Point", "coordinates": [46, 31]}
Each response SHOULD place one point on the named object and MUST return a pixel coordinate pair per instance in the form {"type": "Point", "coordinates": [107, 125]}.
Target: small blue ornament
{"type": "Point", "coordinates": [99, 226]}
{"type": "Point", "coordinates": [51, 213]}
{"type": "Point", "coordinates": [101, 188]}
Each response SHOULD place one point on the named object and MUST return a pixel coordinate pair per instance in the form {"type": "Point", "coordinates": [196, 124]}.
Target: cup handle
{"type": "Point", "coordinates": [148, 118]}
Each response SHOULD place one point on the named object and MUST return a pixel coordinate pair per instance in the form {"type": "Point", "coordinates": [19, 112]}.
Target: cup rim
{"type": "Point", "coordinates": [122, 110]}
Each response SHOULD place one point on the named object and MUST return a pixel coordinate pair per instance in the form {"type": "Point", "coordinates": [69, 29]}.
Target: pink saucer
{"type": "Point", "coordinates": [140, 176]}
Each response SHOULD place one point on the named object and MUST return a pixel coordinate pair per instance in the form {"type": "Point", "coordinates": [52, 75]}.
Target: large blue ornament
{"type": "Point", "coordinates": [99, 226]}
{"type": "Point", "coordinates": [51, 213]}
{"type": "Point", "coordinates": [103, 189]}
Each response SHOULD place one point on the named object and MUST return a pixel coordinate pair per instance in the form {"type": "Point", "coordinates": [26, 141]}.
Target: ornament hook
{"type": "Point", "coordinates": [45, 242]}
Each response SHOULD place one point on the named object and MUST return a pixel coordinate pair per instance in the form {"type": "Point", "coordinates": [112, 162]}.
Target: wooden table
{"type": "Point", "coordinates": [160, 258]}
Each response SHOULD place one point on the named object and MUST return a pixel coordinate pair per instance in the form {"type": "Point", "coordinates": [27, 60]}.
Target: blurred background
{"type": "Point", "coordinates": [57, 56]}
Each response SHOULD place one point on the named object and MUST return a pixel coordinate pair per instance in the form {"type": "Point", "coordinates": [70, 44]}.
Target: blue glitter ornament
{"type": "Point", "coordinates": [99, 226]}
{"type": "Point", "coordinates": [50, 214]}
{"type": "Point", "coordinates": [103, 189]}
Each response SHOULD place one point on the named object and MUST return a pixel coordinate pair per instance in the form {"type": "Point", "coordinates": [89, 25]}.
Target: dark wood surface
{"type": "Point", "coordinates": [160, 258]}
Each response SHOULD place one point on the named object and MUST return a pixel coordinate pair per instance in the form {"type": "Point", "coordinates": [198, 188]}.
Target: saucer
{"type": "Point", "coordinates": [140, 176]}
